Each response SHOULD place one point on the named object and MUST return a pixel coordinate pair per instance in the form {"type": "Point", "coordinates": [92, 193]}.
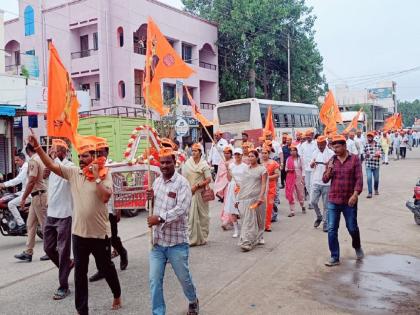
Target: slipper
{"type": "Point", "coordinates": [291, 215]}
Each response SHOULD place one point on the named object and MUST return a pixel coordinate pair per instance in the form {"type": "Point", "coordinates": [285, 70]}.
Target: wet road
{"type": "Point", "coordinates": [286, 276]}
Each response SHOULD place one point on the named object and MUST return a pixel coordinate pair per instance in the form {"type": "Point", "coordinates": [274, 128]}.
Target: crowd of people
{"type": "Point", "coordinates": [74, 205]}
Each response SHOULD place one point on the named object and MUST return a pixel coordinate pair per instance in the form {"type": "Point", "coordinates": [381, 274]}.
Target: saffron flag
{"type": "Point", "coordinates": [353, 124]}
{"type": "Point", "coordinates": [389, 123]}
{"type": "Point", "coordinates": [269, 123]}
{"type": "Point", "coordinates": [162, 61]}
{"type": "Point", "coordinates": [399, 121]}
{"type": "Point", "coordinates": [62, 111]}
{"type": "Point", "coordinates": [330, 113]}
{"type": "Point", "coordinates": [196, 111]}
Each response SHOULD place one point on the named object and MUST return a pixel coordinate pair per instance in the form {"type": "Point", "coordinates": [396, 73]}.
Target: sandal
{"type": "Point", "coordinates": [61, 294]}
{"type": "Point", "coordinates": [291, 215]}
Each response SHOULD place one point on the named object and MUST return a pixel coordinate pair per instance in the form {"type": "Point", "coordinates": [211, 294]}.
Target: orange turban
{"type": "Point", "coordinates": [85, 144]}
{"type": "Point", "coordinates": [371, 134]}
{"type": "Point", "coordinates": [338, 138]}
{"type": "Point", "coordinates": [165, 142]}
{"type": "Point", "coordinates": [227, 149]}
{"type": "Point", "coordinates": [166, 151]}
{"type": "Point", "coordinates": [101, 143]}
{"type": "Point", "coordinates": [60, 143]}
{"type": "Point", "coordinates": [321, 139]}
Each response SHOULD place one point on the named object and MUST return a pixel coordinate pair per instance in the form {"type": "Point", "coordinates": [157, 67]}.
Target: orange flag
{"type": "Point", "coordinates": [330, 113]}
{"type": "Point", "coordinates": [399, 121]}
{"type": "Point", "coordinates": [389, 123]}
{"type": "Point", "coordinates": [196, 111]}
{"type": "Point", "coordinates": [62, 111]}
{"type": "Point", "coordinates": [353, 124]}
{"type": "Point", "coordinates": [269, 123]}
{"type": "Point", "coordinates": [162, 61]}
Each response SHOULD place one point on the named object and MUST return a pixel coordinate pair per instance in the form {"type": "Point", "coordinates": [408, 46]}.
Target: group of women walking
{"type": "Point", "coordinates": [246, 183]}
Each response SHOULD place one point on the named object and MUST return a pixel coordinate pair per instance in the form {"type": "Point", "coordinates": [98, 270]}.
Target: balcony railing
{"type": "Point", "coordinates": [139, 49]}
{"type": "Point", "coordinates": [13, 69]}
{"type": "Point", "coordinates": [207, 106]}
{"type": "Point", "coordinates": [139, 100]}
{"type": "Point", "coordinates": [84, 53]}
{"type": "Point", "coordinates": [120, 111]}
{"type": "Point", "coordinates": [207, 65]}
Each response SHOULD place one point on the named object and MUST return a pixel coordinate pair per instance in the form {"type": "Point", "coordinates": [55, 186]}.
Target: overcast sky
{"type": "Point", "coordinates": [362, 41]}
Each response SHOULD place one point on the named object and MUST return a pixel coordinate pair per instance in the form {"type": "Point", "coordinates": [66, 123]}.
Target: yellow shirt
{"type": "Point", "coordinates": [36, 169]}
{"type": "Point", "coordinates": [90, 214]}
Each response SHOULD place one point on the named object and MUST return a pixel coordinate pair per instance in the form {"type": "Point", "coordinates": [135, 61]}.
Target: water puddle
{"type": "Point", "coordinates": [378, 285]}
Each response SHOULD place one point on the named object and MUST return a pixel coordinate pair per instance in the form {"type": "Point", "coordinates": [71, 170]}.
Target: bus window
{"type": "Point", "coordinates": [263, 119]}
{"type": "Point", "coordinates": [298, 120]}
{"type": "Point", "coordinates": [234, 113]}
{"type": "Point", "coordinates": [277, 120]}
{"type": "Point", "coordinates": [286, 121]}
{"type": "Point", "coordinates": [293, 120]}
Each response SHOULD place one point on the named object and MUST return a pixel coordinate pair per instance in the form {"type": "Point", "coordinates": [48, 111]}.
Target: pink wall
{"type": "Point", "coordinates": [67, 21]}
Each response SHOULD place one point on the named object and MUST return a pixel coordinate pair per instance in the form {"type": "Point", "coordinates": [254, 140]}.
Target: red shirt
{"type": "Point", "coordinates": [346, 178]}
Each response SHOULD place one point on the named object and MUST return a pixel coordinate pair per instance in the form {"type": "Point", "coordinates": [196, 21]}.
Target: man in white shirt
{"type": "Point", "coordinates": [57, 230]}
{"type": "Point", "coordinates": [307, 150]}
{"type": "Point", "coordinates": [360, 141]}
{"type": "Point", "coordinates": [319, 161]}
{"type": "Point", "coordinates": [351, 145]}
{"type": "Point", "coordinates": [21, 178]}
{"type": "Point", "coordinates": [215, 157]}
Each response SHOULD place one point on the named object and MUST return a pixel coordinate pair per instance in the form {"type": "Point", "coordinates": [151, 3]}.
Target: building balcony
{"type": "Point", "coordinates": [139, 49]}
{"type": "Point", "coordinates": [84, 63]}
{"type": "Point", "coordinates": [207, 65]}
{"type": "Point", "coordinates": [13, 69]}
{"type": "Point", "coordinates": [207, 106]}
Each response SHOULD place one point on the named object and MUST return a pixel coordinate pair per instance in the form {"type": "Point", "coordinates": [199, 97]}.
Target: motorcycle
{"type": "Point", "coordinates": [8, 222]}
{"type": "Point", "coordinates": [414, 205]}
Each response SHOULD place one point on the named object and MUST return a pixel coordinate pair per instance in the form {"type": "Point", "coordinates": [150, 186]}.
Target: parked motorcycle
{"type": "Point", "coordinates": [414, 205]}
{"type": "Point", "coordinates": [8, 222]}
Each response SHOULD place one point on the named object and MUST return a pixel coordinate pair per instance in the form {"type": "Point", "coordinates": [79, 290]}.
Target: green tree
{"type": "Point", "coordinates": [253, 48]}
{"type": "Point", "coordinates": [409, 111]}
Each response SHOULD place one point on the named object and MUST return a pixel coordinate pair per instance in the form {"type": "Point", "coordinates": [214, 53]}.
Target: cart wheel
{"type": "Point", "coordinates": [130, 212]}
{"type": "Point", "coordinates": [417, 218]}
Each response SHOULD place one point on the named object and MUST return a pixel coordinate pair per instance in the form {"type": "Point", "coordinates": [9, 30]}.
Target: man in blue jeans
{"type": "Point", "coordinates": [345, 172]}
{"type": "Point", "coordinates": [171, 196]}
{"type": "Point", "coordinates": [373, 153]}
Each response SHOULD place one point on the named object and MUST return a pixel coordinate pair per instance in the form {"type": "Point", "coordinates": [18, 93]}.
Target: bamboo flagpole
{"type": "Point", "coordinates": [149, 204]}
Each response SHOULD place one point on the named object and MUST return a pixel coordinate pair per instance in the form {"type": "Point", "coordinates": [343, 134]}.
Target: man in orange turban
{"type": "Point", "coordinates": [90, 228]}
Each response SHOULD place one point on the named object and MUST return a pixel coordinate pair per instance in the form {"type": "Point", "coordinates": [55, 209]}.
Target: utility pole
{"type": "Point", "coordinates": [288, 69]}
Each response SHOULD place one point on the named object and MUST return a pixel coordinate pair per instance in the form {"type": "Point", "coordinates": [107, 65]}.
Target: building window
{"type": "Point", "coordinates": [85, 87]}
{"type": "Point", "coordinates": [120, 35]}
{"type": "Point", "coordinates": [31, 52]}
{"type": "Point", "coordinates": [121, 89]}
{"type": "Point", "coordinates": [95, 41]}
{"type": "Point", "coordinates": [17, 58]}
{"type": "Point", "coordinates": [185, 100]}
{"type": "Point", "coordinates": [33, 121]}
{"type": "Point", "coordinates": [97, 91]}
{"type": "Point", "coordinates": [187, 53]}
{"type": "Point", "coordinates": [169, 93]}
{"type": "Point", "coordinates": [29, 21]}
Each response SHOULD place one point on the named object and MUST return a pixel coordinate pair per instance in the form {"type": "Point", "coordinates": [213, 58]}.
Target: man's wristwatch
{"type": "Point", "coordinates": [98, 180]}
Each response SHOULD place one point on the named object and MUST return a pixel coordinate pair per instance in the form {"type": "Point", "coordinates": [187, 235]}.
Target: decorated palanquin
{"type": "Point", "coordinates": [130, 177]}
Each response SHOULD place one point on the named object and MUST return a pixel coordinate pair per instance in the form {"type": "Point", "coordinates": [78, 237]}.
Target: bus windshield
{"type": "Point", "coordinates": [234, 113]}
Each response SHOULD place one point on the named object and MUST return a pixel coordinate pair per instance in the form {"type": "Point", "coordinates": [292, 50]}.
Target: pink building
{"type": "Point", "coordinates": [101, 42]}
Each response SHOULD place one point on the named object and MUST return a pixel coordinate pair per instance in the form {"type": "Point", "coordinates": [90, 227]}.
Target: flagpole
{"type": "Point", "coordinates": [148, 205]}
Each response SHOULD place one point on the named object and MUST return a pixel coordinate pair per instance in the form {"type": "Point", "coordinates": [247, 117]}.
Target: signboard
{"type": "Point", "coordinates": [379, 93]}
{"type": "Point", "coordinates": [181, 127]}
{"type": "Point", "coordinates": [31, 64]}
{"type": "Point", "coordinates": [37, 99]}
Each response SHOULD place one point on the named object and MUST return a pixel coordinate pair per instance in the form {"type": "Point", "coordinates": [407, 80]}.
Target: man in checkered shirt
{"type": "Point", "coordinates": [373, 153]}
{"type": "Point", "coordinates": [171, 196]}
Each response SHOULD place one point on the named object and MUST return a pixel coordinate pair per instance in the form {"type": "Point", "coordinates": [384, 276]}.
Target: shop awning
{"type": "Point", "coordinates": [8, 110]}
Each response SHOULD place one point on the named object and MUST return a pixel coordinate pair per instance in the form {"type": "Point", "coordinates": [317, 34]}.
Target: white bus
{"type": "Point", "coordinates": [348, 117]}
{"type": "Point", "coordinates": [250, 114]}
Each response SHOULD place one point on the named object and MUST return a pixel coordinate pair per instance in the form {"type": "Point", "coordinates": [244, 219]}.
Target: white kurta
{"type": "Point", "coordinates": [238, 171]}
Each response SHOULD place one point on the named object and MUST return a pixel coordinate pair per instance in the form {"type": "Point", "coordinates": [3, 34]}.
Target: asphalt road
{"type": "Point", "coordinates": [285, 276]}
